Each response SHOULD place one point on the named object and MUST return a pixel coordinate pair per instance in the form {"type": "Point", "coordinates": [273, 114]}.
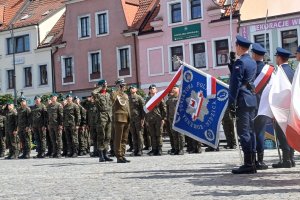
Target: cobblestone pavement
{"type": "Point", "coordinates": [191, 176]}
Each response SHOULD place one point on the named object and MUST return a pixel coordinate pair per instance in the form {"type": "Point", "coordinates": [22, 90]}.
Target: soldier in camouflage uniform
{"type": "Point", "coordinates": [72, 119]}
{"type": "Point", "coordinates": [24, 128]}
{"type": "Point", "coordinates": [228, 128]}
{"type": "Point", "coordinates": [154, 120]}
{"type": "Point", "coordinates": [11, 131]}
{"type": "Point", "coordinates": [82, 131]}
{"type": "Point", "coordinates": [48, 139]}
{"type": "Point", "coordinates": [193, 146]}
{"type": "Point", "coordinates": [178, 138]}
{"type": "Point", "coordinates": [39, 124]}
{"type": "Point", "coordinates": [122, 120]}
{"type": "Point", "coordinates": [92, 116]}
{"type": "Point", "coordinates": [55, 125]}
{"type": "Point", "coordinates": [104, 105]}
{"type": "Point", "coordinates": [137, 117]}
{"type": "Point", "coordinates": [63, 134]}
{"type": "Point", "coordinates": [2, 133]}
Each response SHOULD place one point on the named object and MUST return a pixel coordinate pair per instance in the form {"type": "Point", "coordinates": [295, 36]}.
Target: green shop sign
{"type": "Point", "coordinates": [186, 32]}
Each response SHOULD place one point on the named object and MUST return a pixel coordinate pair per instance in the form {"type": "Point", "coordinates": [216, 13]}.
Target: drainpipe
{"type": "Point", "coordinates": [53, 69]}
{"type": "Point", "coordinates": [38, 34]}
{"type": "Point", "coordinates": [136, 60]}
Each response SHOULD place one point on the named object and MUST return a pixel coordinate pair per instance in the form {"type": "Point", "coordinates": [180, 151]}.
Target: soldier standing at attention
{"type": "Point", "coordinates": [282, 57]}
{"type": "Point", "coordinates": [92, 116]}
{"type": "Point", "coordinates": [104, 106]}
{"type": "Point", "coordinates": [137, 117]}
{"type": "Point", "coordinates": [155, 120]}
{"type": "Point", "coordinates": [48, 139]}
{"type": "Point", "coordinates": [55, 126]}
{"type": "Point", "coordinates": [71, 122]}
{"type": "Point", "coordinates": [178, 138]}
{"type": "Point", "coordinates": [11, 131]}
{"type": "Point", "coordinates": [39, 123]}
{"type": "Point", "coordinates": [243, 99]}
{"type": "Point", "coordinates": [24, 128]}
{"type": "Point", "coordinates": [2, 133]}
{"type": "Point", "coordinates": [122, 120]}
{"type": "Point", "coordinates": [82, 133]}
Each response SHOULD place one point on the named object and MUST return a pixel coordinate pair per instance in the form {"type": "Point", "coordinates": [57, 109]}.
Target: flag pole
{"type": "Point", "coordinates": [230, 26]}
{"type": "Point", "coordinates": [265, 37]}
{"type": "Point", "coordinates": [237, 140]}
{"type": "Point", "coordinates": [276, 141]}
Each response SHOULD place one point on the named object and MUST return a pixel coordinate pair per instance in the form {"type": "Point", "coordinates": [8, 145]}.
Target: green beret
{"type": "Point", "coordinates": [68, 95]}
{"type": "Point", "coordinates": [37, 97]}
{"type": "Point", "coordinates": [9, 102]}
{"type": "Point", "coordinates": [101, 82]}
{"type": "Point", "coordinates": [53, 95]}
{"type": "Point", "coordinates": [120, 82]}
{"type": "Point", "coordinates": [133, 86]}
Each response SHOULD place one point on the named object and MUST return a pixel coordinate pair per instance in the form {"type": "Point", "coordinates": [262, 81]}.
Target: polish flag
{"type": "Point", "coordinates": [199, 106]}
{"type": "Point", "coordinates": [211, 84]}
{"type": "Point", "coordinates": [263, 77]}
{"type": "Point", "coordinates": [293, 126]}
{"type": "Point", "coordinates": [161, 94]}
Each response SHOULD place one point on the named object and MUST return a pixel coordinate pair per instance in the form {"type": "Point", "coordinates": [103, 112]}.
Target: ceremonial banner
{"type": "Point", "coordinates": [201, 106]}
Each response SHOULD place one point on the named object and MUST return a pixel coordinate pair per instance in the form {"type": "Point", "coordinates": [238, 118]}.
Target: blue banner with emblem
{"type": "Point", "coordinates": [201, 106]}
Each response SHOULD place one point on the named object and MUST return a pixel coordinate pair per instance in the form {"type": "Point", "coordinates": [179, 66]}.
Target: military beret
{"type": "Point", "coordinates": [282, 52]}
{"type": "Point", "coordinates": [243, 41]}
{"type": "Point", "coordinates": [68, 95]}
{"type": "Point", "coordinates": [76, 97]}
{"type": "Point", "coordinates": [9, 102]}
{"type": "Point", "coordinates": [298, 50]}
{"type": "Point", "coordinates": [176, 85]}
{"type": "Point", "coordinates": [101, 82]}
{"type": "Point", "coordinates": [152, 86]}
{"type": "Point", "coordinates": [22, 98]}
{"type": "Point", "coordinates": [258, 49]}
{"type": "Point", "coordinates": [133, 86]}
{"type": "Point", "coordinates": [120, 82]}
{"type": "Point", "coordinates": [53, 95]}
{"type": "Point", "coordinates": [37, 97]}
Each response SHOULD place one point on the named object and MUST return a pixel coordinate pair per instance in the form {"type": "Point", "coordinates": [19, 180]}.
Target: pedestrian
{"type": "Point", "coordinates": [242, 102]}
{"type": "Point", "coordinates": [104, 108]}
{"type": "Point", "coordinates": [122, 120]}
{"type": "Point", "coordinates": [39, 124]}
{"type": "Point", "coordinates": [55, 125]}
{"type": "Point", "coordinates": [282, 57]}
{"type": "Point", "coordinates": [24, 128]}
{"type": "Point", "coordinates": [155, 120]}
{"type": "Point", "coordinates": [71, 122]}
{"type": "Point", "coordinates": [137, 116]}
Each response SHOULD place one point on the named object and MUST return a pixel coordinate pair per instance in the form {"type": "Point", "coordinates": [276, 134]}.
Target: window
{"type": "Point", "coordinates": [10, 79]}
{"type": "Point", "coordinates": [222, 52]}
{"type": "Point", "coordinates": [124, 61]}
{"type": "Point", "coordinates": [176, 51]}
{"type": "Point", "coordinates": [84, 26]}
{"type": "Point", "coordinates": [68, 67]}
{"type": "Point", "coordinates": [102, 23]}
{"type": "Point", "coordinates": [28, 77]}
{"type": "Point", "coordinates": [199, 55]}
{"type": "Point", "coordinates": [289, 40]}
{"type": "Point", "coordinates": [195, 9]}
{"type": "Point", "coordinates": [43, 75]}
{"type": "Point", "coordinates": [21, 44]}
{"type": "Point", "coordinates": [261, 40]}
{"type": "Point", "coordinates": [95, 62]}
{"type": "Point", "coordinates": [175, 12]}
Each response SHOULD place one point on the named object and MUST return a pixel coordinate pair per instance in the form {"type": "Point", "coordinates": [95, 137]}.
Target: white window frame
{"type": "Point", "coordinates": [21, 53]}
{"type": "Point", "coordinates": [189, 14]}
{"type": "Point", "coordinates": [38, 83]}
{"type": "Point", "coordinates": [23, 77]}
{"type": "Point", "coordinates": [169, 12]}
{"type": "Point", "coordinates": [192, 53]}
{"type": "Point", "coordinates": [286, 29]}
{"type": "Point", "coordinates": [79, 27]}
{"type": "Point", "coordinates": [169, 55]}
{"type": "Point", "coordinates": [6, 79]}
{"type": "Point", "coordinates": [252, 35]}
{"type": "Point", "coordinates": [63, 74]}
{"type": "Point", "coordinates": [90, 65]}
{"type": "Point", "coordinates": [97, 23]}
{"type": "Point", "coordinates": [214, 52]}
{"type": "Point", "coordinates": [119, 61]}
{"type": "Point", "coordinates": [162, 63]}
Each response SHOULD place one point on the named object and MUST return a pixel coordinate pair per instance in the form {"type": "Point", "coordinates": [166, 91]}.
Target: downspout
{"type": "Point", "coordinates": [38, 34]}
{"type": "Point", "coordinates": [136, 61]}
{"type": "Point", "coordinates": [53, 69]}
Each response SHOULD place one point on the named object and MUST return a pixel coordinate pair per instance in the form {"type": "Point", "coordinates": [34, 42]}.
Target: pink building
{"type": "Point", "coordinates": [197, 31]}
{"type": "Point", "coordinates": [96, 44]}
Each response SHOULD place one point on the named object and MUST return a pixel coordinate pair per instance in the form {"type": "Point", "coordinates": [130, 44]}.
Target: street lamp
{"type": "Point", "coordinates": [14, 61]}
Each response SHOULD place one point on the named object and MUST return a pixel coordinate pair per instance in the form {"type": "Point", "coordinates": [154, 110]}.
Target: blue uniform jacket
{"type": "Point", "coordinates": [288, 71]}
{"type": "Point", "coordinates": [243, 72]}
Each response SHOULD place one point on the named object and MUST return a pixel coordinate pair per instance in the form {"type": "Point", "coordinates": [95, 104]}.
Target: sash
{"type": "Point", "coordinates": [263, 78]}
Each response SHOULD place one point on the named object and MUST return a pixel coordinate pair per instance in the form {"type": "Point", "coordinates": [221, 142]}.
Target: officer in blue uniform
{"type": "Point", "coordinates": [282, 57]}
{"type": "Point", "coordinates": [260, 122]}
{"type": "Point", "coordinates": [243, 100]}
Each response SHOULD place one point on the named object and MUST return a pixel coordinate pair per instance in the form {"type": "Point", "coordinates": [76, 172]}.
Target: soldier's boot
{"type": "Point", "coordinates": [111, 153]}
{"type": "Point", "coordinates": [248, 167]}
{"type": "Point", "coordinates": [139, 153]}
{"type": "Point", "coordinates": [175, 152]}
{"type": "Point", "coordinates": [292, 152]}
{"type": "Point", "coordinates": [171, 151]}
{"type": "Point", "coordinates": [1, 154]}
{"type": "Point", "coordinates": [9, 156]}
{"type": "Point", "coordinates": [285, 163]}
{"type": "Point", "coordinates": [81, 153]}
{"type": "Point", "coordinates": [260, 165]}
{"type": "Point", "coordinates": [152, 152]}
{"type": "Point", "coordinates": [15, 155]}
{"type": "Point", "coordinates": [48, 154]}
{"type": "Point", "coordinates": [42, 155]}
{"type": "Point", "coordinates": [128, 161]}
{"type": "Point", "coordinates": [181, 152]}
{"type": "Point", "coordinates": [121, 160]}
{"type": "Point", "coordinates": [101, 157]}
{"type": "Point", "coordinates": [27, 155]}
{"type": "Point", "coordinates": [106, 158]}
{"type": "Point", "coordinates": [22, 156]}
{"type": "Point", "coordinates": [159, 152]}
{"type": "Point", "coordinates": [75, 155]}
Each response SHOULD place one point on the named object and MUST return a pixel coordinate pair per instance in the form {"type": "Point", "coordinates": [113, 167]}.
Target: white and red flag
{"type": "Point", "coordinates": [263, 78]}
{"type": "Point", "coordinates": [293, 126]}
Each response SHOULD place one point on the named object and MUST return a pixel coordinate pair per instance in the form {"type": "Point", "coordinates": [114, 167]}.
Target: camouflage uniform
{"type": "Point", "coordinates": [71, 121]}
{"type": "Point", "coordinates": [136, 103]}
{"type": "Point", "coordinates": [154, 123]}
{"type": "Point", "coordinates": [82, 132]}
{"type": "Point", "coordinates": [92, 117]}
{"type": "Point", "coordinates": [2, 135]}
{"type": "Point", "coordinates": [122, 121]}
{"type": "Point", "coordinates": [11, 134]}
{"type": "Point", "coordinates": [55, 122]}
{"type": "Point", "coordinates": [228, 128]}
{"type": "Point", "coordinates": [178, 138]}
{"type": "Point", "coordinates": [39, 124]}
{"type": "Point", "coordinates": [24, 125]}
